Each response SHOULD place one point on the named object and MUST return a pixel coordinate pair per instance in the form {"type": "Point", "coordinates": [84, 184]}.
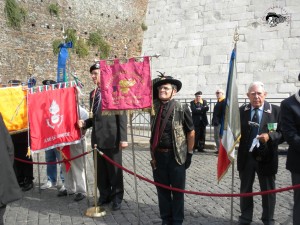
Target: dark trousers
{"type": "Point", "coordinates": [247, 177]}
{"type": "Point", "coordinates": [2, 211]}
{"type": "Point", "coordinates": [170, 173]}
{"type": "Point", "coordinates": [296, 208]}
{"type": "Point", "coordinates": [24, 171]}
{"type": "Point", "coordinates": [110, 177]}
{"type": "Point", "coordinates": [200, 137]}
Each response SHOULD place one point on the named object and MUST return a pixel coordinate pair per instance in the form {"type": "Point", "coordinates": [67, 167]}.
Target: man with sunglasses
{"type": "Point", "coordinates": [172, 142]}
{"type": "Point", "coordinates": [217, 116]}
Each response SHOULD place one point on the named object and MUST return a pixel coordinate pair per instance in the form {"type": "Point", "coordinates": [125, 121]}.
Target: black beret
{"type": "Point", "coordinates": [198, 93]}
{"type": "Point", "coordinates": [14, 82]}
{"type": "Point", "coordinates": [48, 82]}
{"type": "Point", "coordinates": [95, 67]}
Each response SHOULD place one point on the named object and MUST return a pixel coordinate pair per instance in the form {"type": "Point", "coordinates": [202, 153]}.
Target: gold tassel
{"type": "Point", "coordinates": [28, 152]}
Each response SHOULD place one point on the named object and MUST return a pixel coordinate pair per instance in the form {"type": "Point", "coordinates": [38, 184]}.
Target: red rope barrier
{"type": "Point", "coordinates": [57, 162]}
{"type": "Point", "coordinates": [195, 192]}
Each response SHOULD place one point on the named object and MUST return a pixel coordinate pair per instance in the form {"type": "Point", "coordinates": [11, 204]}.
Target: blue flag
{"type": "Point", "coordinates": [62, 61]}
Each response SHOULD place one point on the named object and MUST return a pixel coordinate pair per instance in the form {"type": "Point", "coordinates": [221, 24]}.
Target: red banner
{"type": "Point", "coordinates": [52, 119]}
{"type": "Point", "coordinates": [126, 86]}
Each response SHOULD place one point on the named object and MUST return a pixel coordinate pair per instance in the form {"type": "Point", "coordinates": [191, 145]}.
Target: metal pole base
{"type": "Point", "coordinates": [95, 212]}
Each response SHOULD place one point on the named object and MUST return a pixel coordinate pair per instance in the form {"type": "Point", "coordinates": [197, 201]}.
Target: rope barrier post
{"type": "Point", "coordinates": [95, 211]}
{"type": "Point", "coordinates": [134, 169]}
{"type": "Point", "coordinates": [39, 174]}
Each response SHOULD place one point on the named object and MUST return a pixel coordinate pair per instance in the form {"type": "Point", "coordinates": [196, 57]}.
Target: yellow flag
{"type": "Point", "coordinates": [13, 108]}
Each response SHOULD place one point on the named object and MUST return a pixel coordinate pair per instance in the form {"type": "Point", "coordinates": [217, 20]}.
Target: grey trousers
{"type": "Point", "coordinates": [296, 208]}
{"type": "Point", "coordinates": [2, 211]}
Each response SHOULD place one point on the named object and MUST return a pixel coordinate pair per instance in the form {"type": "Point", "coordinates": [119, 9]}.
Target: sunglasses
{"type": "Point", "coordinates": [218, 92]}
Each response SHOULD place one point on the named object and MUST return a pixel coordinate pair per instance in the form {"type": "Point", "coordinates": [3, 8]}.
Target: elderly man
{"type": "Point", "coordinates": [172, 142]}
{"type": "Point", "coordinates": [257, 152]}
{"type": "Point", "coordinates": [290, 120]}
{"type": "Point", "coordinates": [217, 116]}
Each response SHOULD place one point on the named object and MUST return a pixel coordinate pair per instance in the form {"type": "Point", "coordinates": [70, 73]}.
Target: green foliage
{"type": "Point", "coordinates": [14, 13]}
{"type": "Point", "coordinates": [144, 26]}
{"type": "Point", "coordinates": [71, 36]}
{"type": "Point", "coordinates": [96, 40]}
{"type": "Point", "coordinates": [55, 45]}
{"type": "Point", "coordinates": [53, 9]}
{"type": "Point", "coordinates": [82, 49]}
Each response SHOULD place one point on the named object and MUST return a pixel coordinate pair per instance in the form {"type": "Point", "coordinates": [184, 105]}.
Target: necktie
{"type": "Point", "coordinates": [254, 129]}
{"type": "Point", "coordinates": [96, 101]}
{"type": "Point", "coordinates": [156, 130]}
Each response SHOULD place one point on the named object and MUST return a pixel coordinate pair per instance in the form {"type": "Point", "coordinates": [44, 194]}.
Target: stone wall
{"type": "Point", "coordinates": [119, 20]}
{"type": "Point", "coordinates": [195, 40]}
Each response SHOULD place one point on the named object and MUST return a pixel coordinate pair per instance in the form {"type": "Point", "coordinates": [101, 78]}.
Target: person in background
{"type": "Point", "coordinates": [217, 116]}
{"type": "Point", "coordinates": [75, 182]}
{"type": "Point", "coordinates": [9, 188]}
{"type": "Point", "coordinates": [51, 157]}
{"type": "Point", "coordinates": [24, 171]}
{"type": "Point", "coordinates": [290, 125]}
{"type": "Point", "coordinates": [199, 109]}
{"type": "Point", "coordinates": [171, 151]}
{"type": "Point", "coordinates": [109, 133]}
{"type": "Point", "coordinates": [257, 152]}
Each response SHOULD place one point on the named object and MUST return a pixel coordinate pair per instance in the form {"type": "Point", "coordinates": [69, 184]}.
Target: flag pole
{"type": "Point", "coordinates": [235, 40]}
{"type": "Point", "coordinates": [134, 169]}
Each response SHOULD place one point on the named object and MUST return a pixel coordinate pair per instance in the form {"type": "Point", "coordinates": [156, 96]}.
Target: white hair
{"type": "Point", "coordinates": [257, 84]}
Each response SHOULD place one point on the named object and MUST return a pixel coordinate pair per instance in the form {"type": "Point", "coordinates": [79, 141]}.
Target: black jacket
{"type": "Point", "coordinates": [108, 130]}
{"type": "Point", "coordinates": [269, 164]}
{"type": "Point", "coordinates": [290, 118]}
{"type": "Point", "coordinates": [9, 188]}
{"type": "Point", "coordinates": [199, 113]}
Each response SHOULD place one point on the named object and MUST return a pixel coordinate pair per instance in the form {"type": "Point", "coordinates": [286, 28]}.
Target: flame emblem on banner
{"type": "Point", "coordinates": [56, 119]}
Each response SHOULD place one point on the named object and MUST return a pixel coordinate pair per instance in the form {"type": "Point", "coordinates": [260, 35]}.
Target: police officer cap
{"type": "Point", "coordinates": [198, 93]}
{"type": "Point", "coordinates": [95, 67]}
{"type": "Point", "coordinates": [48, 82]}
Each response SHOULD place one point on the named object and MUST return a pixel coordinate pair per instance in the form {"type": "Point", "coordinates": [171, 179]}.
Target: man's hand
{"type": "Point", "coordinates": [80, 123]}
{"type": "Point", "coordinates": [123, 144]}
{"type": "Point", "coordinates": [263, 138]}
{"type": "Point", "coordinates": [188, 160]}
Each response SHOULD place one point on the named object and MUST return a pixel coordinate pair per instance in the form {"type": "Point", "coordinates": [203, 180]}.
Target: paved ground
{"type": "Point", "coordinates": [44, 207]}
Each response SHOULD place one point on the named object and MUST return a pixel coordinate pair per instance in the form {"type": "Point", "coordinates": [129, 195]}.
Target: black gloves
{"type": "Point", "coordinates": [188, 160]}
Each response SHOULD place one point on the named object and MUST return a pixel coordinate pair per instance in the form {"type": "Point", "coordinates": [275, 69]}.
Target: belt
{"type": "Point", "coordinates": [164, 149]}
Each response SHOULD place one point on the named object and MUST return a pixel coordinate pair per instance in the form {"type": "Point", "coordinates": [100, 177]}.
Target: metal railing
{"type": "Point", "coordinates": [141, 120]}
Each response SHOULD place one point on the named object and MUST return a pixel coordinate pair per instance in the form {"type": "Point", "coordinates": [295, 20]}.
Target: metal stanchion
{"type": "Point", "coordinates": [95, 211]}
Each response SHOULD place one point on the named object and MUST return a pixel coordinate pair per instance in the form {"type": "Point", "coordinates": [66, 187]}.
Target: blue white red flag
{"type": "Point", "coordinates": [230, 127]}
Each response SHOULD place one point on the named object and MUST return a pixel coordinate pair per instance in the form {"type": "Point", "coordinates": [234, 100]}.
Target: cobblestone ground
{"type": "Point", "coordinates": [44, 207]}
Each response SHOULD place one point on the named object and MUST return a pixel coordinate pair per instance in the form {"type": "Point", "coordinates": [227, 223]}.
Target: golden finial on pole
{"type": "Point", "coordinates": [95, 211]}
{"type": "Point", "coordinates": [236, 35]}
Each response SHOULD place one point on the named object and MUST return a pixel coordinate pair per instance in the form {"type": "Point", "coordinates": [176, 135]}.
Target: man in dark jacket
{"type": "Point", "coordinates": [109, 133]}
{"type": "Point", "coordinates": [9, 187]}
{"type": "Point", "coordinates": [257, 153]}
{"type": "Point", "coordinates": [290, 120]}
{"type": "Point", "coordinates": [199, 108]}
{"type": "Point", "coordinates": [217, 116]}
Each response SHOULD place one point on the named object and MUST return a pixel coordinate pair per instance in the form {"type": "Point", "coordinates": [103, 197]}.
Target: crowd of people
{"type": "Point", "coordinates": [177, 131]}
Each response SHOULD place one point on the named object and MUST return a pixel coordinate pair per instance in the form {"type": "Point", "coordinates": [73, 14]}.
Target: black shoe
{"type": "Point", "coordinates": [116, 206]}
{"type": "Point", "coordinates": [216, 152]}
{"type": "Point", "coordinates": [79, 197]}
{"type": "Point", "coordinates": [62, 193]}
{"type": "Point", "coordinates": [201, 150]}
{"type": "Point", "coordinates": [27, 186]}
